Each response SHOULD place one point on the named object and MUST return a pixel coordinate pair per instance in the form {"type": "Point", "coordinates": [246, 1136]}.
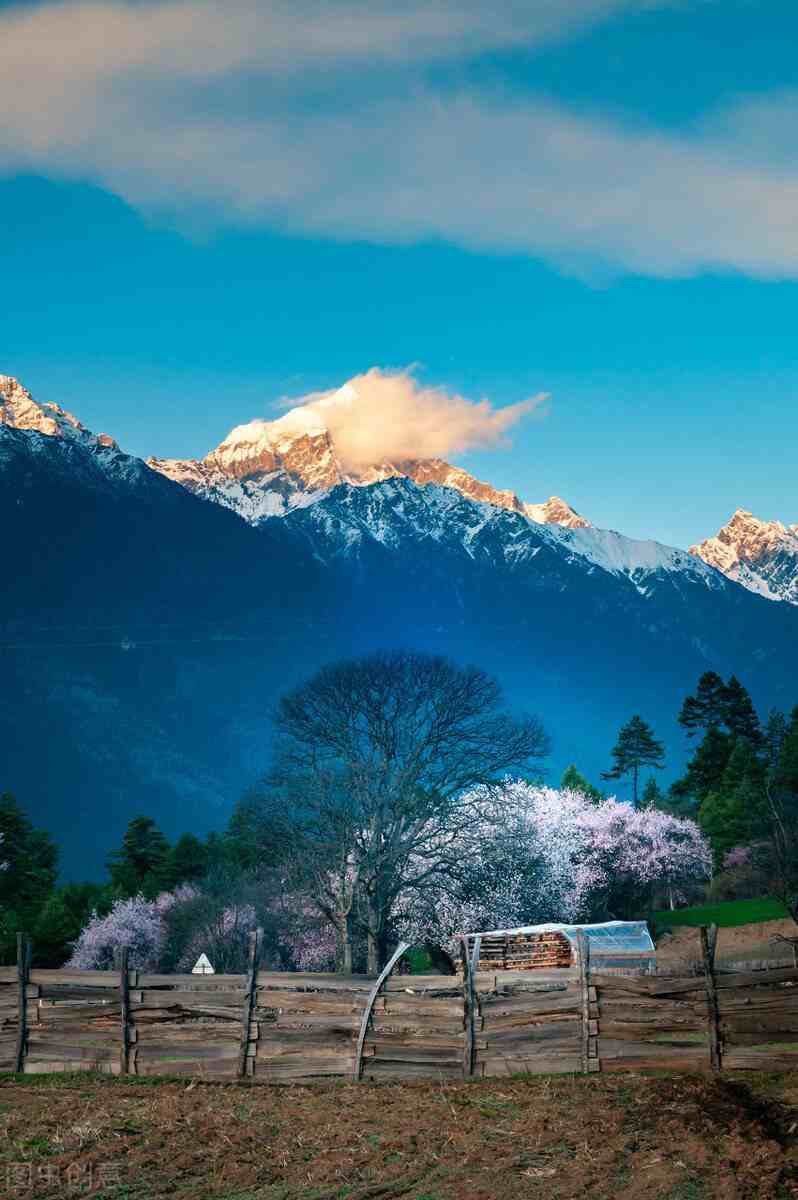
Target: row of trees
{"type": "Point", "coordinates": [404, 799]}
{"type": "Point", "coordinates": [740, 785]}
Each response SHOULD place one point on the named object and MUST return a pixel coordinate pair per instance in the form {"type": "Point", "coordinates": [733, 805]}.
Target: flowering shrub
{"type": "Point", "coordinates": [136, 923]}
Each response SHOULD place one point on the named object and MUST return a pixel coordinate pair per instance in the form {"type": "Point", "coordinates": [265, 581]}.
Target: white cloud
{"type": "Point", "coordinates": [318, 118]}
{"type": "Point", "coordinates": [389, 416]}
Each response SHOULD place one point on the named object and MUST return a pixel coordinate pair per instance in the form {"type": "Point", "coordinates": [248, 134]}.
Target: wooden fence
{"type": "Point", "coordinates": [282, 1027]}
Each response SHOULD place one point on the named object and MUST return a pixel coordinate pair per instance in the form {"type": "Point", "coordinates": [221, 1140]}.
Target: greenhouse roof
{"type": "Point", "coordinates": [606, 937]}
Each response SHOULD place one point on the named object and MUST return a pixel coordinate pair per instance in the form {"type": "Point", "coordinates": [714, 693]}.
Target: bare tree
{"type": "Point", "coordinates": [373, 761]}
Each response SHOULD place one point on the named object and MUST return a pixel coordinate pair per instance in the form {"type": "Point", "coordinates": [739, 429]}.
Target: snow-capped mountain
{"type": "Point", "coordinates": [19, 410]}
{"type": "Point", "coordinates": [760, 555]}
{"type": "Point", "coordinates": [397, 512]}
{"type": "Point", "coordinates": [267, 468]}
{"type": "Point", "coordinates": [145, 633]}
{"type": "Point", "coordinates": [28, 428]}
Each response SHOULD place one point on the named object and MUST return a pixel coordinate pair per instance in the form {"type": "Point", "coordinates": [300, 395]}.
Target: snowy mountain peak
{"type": "Point", "coordinates": [19, 410]}
{"type": "Point", "coordinates": [266, 468]}
{"type": "Point", "coordinates": [760, 555]}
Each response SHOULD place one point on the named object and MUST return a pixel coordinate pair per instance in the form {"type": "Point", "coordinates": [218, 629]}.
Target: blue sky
{"type": "Point", "coordinates": [201, 214]}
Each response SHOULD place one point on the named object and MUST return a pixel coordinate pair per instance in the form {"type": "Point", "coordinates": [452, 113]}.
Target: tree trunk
{"type": "Point", "coordinates": [372, 939]}
{"type": "Point", "coordinates": [344, 944]}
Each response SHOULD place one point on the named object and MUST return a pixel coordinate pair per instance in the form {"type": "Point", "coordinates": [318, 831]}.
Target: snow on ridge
{"type": "Point", "coordinates": [761, 556]}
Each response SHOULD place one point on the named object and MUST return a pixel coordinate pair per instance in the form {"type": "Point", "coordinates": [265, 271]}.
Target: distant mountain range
{"type": "Point", "coordinates": [152, 612]}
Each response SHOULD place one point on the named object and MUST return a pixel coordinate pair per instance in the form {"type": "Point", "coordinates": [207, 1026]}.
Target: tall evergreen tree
{"type": "Point", "coordinates": [29, 874]}
{"type": "Point", "coordinates": [705, 769]}
{"type": "Point", "coordinates": [732, 812]}
{"type": "Point", "coordinates": [188, 860]}
{"type": "Point", "coordinates": [739, 714]}
{"type": "Point", "coordinates": [141, 864]}
{"type": "Point", "coordinates": [786, 773]}
{"type": "Point", "coordinates": [636, 747]}
{"type": "Point", "coordinates": [775, 733]}
{"type": "Point", "coordinates": [707, 708]}
{"type": "Point", "coordinates": [653, 795]}
{"type": "Point", "coordinates": [574, 781]}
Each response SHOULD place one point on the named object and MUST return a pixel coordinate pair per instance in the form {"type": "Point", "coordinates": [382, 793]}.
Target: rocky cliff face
{"type": "Point", "coordinates": [760, 555]}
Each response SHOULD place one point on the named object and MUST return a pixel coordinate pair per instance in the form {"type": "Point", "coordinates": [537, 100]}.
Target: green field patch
{"type": "Point", "coordinates": [725, 914]}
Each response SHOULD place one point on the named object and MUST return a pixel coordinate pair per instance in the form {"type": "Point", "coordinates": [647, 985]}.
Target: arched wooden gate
{"type": "Point", "coordinates": [416, 1025]}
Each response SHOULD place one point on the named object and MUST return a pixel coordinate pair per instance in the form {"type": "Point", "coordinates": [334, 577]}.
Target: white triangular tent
{"type": "Point", "coordinates": [202, 966]}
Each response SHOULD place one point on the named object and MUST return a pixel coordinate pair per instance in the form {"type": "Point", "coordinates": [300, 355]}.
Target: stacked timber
{"type": "Point", "coordinates": [417, 1030]}
{"type": "Point", "coordinates": [651, 1021]}
{"type": "Point", "coordinates": [758, 1015]}
{"type": "Point", "coordinates": [523, 951]}
{"type": "Point", "coordinates": [307, 1026]}
{"type": "Point", "coordinates": [530, 1025]}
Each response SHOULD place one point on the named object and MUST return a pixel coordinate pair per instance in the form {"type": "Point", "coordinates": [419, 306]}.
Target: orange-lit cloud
{"type": "Point", "coordinates": [389, 416]}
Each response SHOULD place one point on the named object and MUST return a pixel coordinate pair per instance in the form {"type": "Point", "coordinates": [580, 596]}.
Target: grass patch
{"type": "Point", "coordinates": [726, 914]}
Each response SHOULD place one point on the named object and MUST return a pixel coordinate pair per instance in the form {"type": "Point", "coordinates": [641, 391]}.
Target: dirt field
{"type": "Point", "coordinates": [612, 1137]}
{"type": "Point", "coordinates": [738, 941]}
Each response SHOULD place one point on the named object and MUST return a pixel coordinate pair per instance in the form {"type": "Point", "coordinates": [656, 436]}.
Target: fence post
{"type": "Point", "coordinates": [709, 940]}
{"type": "Point", "coordinates": [583, 947]}
{"type": "Point", "coordinates": [24, 949]}
{"type": "Point", "coordinates": [124, 1009]}
{"type": "Point", "coordinates": [470, 968]}
{"type": "Point", "coordinates": [253, 956]}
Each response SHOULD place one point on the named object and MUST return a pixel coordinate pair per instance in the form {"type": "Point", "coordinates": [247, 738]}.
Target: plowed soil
{"type": "Point", "coordinates": [611, 1137]}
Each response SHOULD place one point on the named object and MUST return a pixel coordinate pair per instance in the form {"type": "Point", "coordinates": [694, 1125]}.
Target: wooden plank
{"type": "Point", "coordinates": [752, 978]}
{"type": "Point", "coordinates": [375, 1068]}
{"type": "Point", "coordinates": [415, 1006]}
{"type": "Point", "coordinates": [155, 998]}
{"type": "Point", "coordinates": [760, 1060]}
{"type": "Point", "coordinates": [61, 977]}
{"type": "Point", "coordinates": [369, 1005]}
{"type": "Point", "coordinates": [186, 982]}
{"type": "Point", "coordinates": [321, 1002]}
{"type": "Point", "coordinates": [421, 984]}
{"type": "Point", "coordinates": [531, 1004]}
{"type": "Point", "coordinates": [48, 1067]}
{"type": "Point", "coordinates": [291, 1020]}
{"type": "Point", "coordinates": [316, 980]}
{"type": "Point", "coordinates": [285, 1070]}
{"type": "Point", "coordinates": [565, 1064]}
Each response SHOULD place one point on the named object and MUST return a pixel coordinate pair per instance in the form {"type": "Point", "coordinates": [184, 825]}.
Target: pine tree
{"type": "Point", "coordinates": [775, 733]}
{"type": "Point", "coordinates": [636, 747]}
{"type": "Point", "coordinates": [786, 774]}
{"type": "Point", "coordinates": [739, 714]}
{"type": "Point", "coordinates": [572, 780]}
{"type": "Point", "coordinates": [29, 876]}
{"type": "Point", "coordinates": [141, 864]}
{"type": "Point", "coordinates": [705, 769]}
{"type": "Point", "coordinates": [707, 708]}
{"type": "Point", "coordinates": [188, 860]}
{"type": "Point", "coordinates": [653, 795]}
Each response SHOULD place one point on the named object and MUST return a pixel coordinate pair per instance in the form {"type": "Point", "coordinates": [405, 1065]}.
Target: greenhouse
{"type": "Point", "coordinates": [543, 947]}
